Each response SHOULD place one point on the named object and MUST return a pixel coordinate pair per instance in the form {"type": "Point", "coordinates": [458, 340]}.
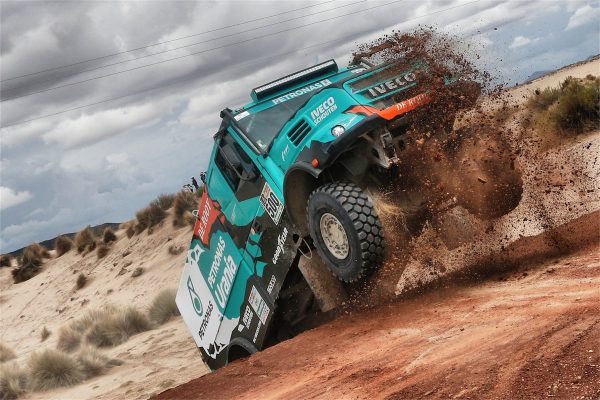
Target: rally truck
{"type": "Point", "coordinates": [292, 182]}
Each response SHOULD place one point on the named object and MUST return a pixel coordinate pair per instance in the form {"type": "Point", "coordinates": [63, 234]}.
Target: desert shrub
{"type": "Point", "coordinates": [62, 244]}
{"type": "Point", "coordinates": [13, 381]}
{"type": "Point", "coordinates": [184, 204]}
{"type": "Point", "coordinates": [93, 362]}
{"type": "Point", "coordinates": [24, 272]}
{"type": "Point", "coordinates": [81, 280]}
{"type": "Point", "coordinates": [175, 250]}
{"type": "Point", "coordinates": [165, 201]}
{"type": "Point", "coordinates": [30, 263]}
{"type": "Point", "coordinates": [117, 327]}
{"type": "Point", "coordinates": [69, 338]}
{"type": "Point", "coordinates": [85, 240]}
{"type": "Point", "coordinates": [6, 353]}
{"type": "Point", "coordinates": [109, 236]}
{"type": "Point", "coordinates": [6, 260]}
{"type": "Point", "coordinates": [149, 217]}
{"type": "Point", "coordinates": [136, 321]}
{"type": "Point", "coordinates": [543, 99]}
{"type": "Point", "coordinates": [130, 231]}
{"type": "Point", "coordinates": [51, 369]}
{"type": "Point", "coordinates": [103, 250]}
{"type": "Point", "coordinates": [84, 322]}
{"type": "Point", "coordinates": [163, 307]}
{"type": "Point", "coordinates": [45, 334]}
{"type": "Point", "coordinates": [571, 109]}
{"type": "Point", "coordinates": [33, 254]}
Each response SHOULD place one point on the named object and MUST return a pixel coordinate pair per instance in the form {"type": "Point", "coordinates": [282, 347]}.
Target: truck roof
{"type": "Point", "coordinates": [292, 82]}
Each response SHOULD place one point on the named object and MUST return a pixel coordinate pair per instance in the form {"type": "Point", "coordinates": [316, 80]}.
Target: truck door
{"type": "Point", "coordinates": [213, 284]}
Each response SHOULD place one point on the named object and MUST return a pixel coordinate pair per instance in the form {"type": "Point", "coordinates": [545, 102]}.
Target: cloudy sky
{"type": "Point", "coordinates": [136, 130]}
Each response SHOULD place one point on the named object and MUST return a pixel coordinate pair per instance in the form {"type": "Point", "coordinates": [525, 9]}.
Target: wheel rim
{"type": "Point", "coordinates": [334, 236]}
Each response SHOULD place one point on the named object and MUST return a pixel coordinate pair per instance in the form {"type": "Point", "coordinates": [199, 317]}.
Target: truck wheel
{"type": "Point", "coordinates": [346, 230]}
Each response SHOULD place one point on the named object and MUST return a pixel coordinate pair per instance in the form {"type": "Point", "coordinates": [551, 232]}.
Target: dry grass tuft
{"type": "Point", "coordinates": [81, 281]}
{"type": "Point", "coordinates": [6, 353]}
{"type": "Point", "coordinates": [33, 254]}
{"type": "Point", "coordinates": [24, 272]}
{"type": "Point", "coordinates": [109, 236]}
{"type": "Point", "coordinates": [163, 307]}
{"type": "Point", "coordinates": [175, 250]}
{"type": "Point", "coordinates": [13, 381]}
{"type": "Point", "coordinates": [117, 327]}
{"type": "Point", "coordinates": [69, 338]}
{"type": "Point", "coordinates": [30, 263]}
{"type": "Point", "coordinates": [165, 201]}
{"type": "Point", "coordinates": [62, 244]}
{"type": "Point", "coordinates": [103, 250]}
{"type": "Point", "coordinates": [85, 240]}
{"type": "Point", "coordinates": [137, 272]}
{"type": "Point", "coordinates": [184, 204]}
{"type": "Point", "coordinates": [154, 214]}
{"type": "Point", "coordinates": [130, 231]}
{"type": "Point", "coordinates": [92, 362]}
{"type": "Point", "coordinates": [45, 334]}
{"type": "Point", "coordinates": [569, 110]}
{"type": "Point", "coordinates": [6, 260]}
{"type": "Point", "coordinates": [50, 369]}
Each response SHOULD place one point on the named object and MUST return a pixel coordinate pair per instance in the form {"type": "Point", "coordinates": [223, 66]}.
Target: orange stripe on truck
{"type": "Point", "coordinates": [396, 110]}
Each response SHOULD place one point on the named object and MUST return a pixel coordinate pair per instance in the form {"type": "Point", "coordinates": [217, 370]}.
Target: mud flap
{"type": "Point", "coordinates": [328, 290]}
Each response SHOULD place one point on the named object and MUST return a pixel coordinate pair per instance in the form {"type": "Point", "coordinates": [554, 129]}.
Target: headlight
{"type": "Point", "coordinates": [337, 130]}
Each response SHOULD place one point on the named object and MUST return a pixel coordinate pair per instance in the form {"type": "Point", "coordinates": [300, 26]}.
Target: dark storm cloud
{"type": "Point", "coordinates": [102, 163]}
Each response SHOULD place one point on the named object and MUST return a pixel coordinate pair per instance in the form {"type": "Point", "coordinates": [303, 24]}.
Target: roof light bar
{"type": "Point", "coordinates": [291, 80]}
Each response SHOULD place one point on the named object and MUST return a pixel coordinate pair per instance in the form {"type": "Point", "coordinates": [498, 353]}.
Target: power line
{"type": "Point", "coordinates": [167, 41]}
{"type": "Point", "coordinates": [182, 47]}
{"type": "Point", "coordinates": [197, 52]}
{"type": "Point", "coordinates": [245, 63]}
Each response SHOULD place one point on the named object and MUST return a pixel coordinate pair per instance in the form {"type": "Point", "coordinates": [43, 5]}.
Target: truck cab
{"type": "Point", "coordinates": [289, 175]}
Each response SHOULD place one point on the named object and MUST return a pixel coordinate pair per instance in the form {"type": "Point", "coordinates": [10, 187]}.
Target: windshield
{"type": "Point", "coordinates": [263, 126]}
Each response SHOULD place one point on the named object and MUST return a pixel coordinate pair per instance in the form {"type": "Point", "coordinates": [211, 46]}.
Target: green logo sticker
{"type": "Point", "coordinates": [194, 297]}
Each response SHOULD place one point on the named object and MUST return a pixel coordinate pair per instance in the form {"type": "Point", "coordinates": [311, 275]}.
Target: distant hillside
{"type": "Point", "coordinates": [49, 243]}
{"type": "Point", "coordinates": [539, 74]}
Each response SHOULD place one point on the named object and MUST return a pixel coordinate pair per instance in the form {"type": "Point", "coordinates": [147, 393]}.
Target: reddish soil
{"type": "Point", "coordinates": [530, 333]}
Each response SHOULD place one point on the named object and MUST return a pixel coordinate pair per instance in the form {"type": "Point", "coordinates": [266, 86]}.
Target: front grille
{"type": "Point", "coordinates": [299, 132]}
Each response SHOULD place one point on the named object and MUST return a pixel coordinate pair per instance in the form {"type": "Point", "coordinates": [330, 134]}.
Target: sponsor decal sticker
{"type": "Point", "coordinates": [256, 332]}
{"type": "Point", "coordinates": [271, 284]}
{"type": "Point", "coordinates": [324, 110]}
{"type": "Point", "coordinates": [285, 151]}
{"type": "Point", "coordinates": [208, 214]}
{"type": "Point", "coordinates": [280, 242]}
{"type": "Point", "coordinates": [196, 302]}
{"type": "Point", "coordinates": [301, 91]}
{"type": "Point", "coordinates": [205, 320]}
{"type": "Point", "coordinates": [259, 305]}
{"type": "Point", "coordinates": [241, 115]}
{"type": "Point", "coordinates": [247, 319]}
{"type": "Point", "coordinates": [391, 85]}
{"type": "Point", "coordinates": [271, 203]}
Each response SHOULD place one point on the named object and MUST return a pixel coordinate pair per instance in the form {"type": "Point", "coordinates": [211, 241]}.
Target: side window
{"type": "Point", "coordinates": [235, 164]}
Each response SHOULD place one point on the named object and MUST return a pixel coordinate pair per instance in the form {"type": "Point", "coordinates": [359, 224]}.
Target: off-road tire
{"type": "Point", "coordinates": [355, 211]}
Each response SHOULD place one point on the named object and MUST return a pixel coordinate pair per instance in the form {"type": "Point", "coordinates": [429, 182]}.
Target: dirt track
{"type": "Point", "coordinates": [531, 333]}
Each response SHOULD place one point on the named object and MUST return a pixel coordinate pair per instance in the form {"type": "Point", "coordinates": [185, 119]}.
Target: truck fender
{"type": "Point", "coordinates": [299, 182]}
